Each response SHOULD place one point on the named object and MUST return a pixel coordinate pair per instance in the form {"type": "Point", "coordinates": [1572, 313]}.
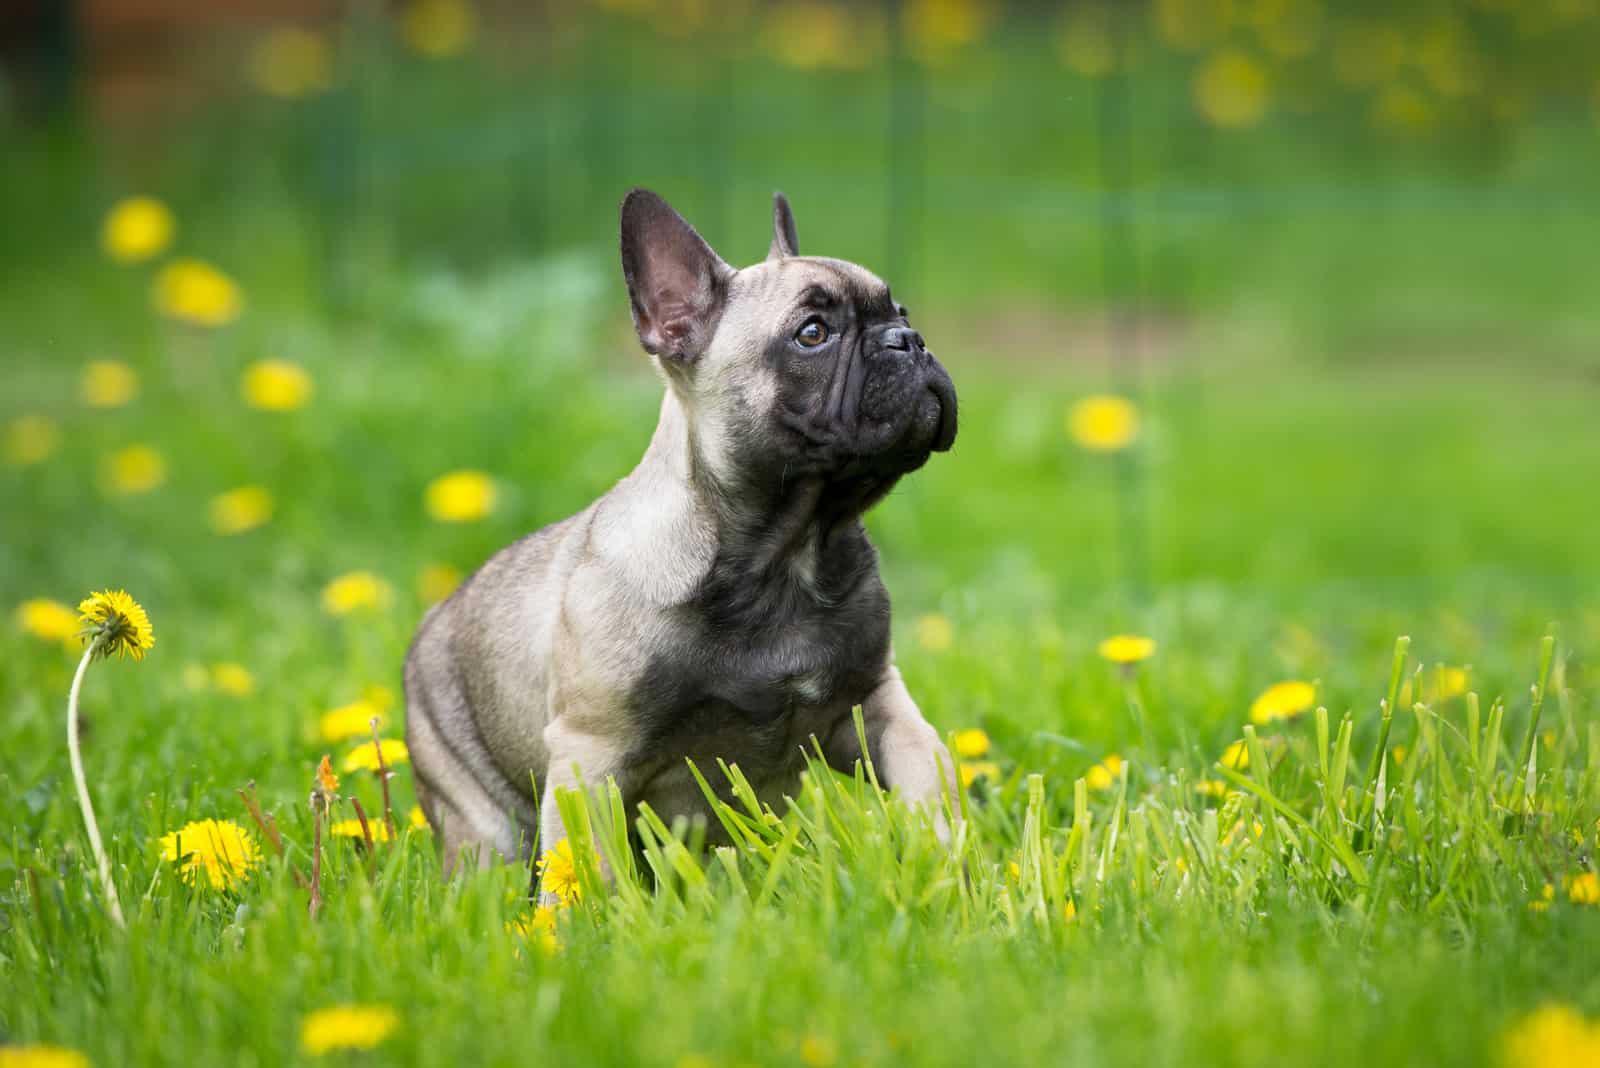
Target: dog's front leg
{"type": "Point", "coordinates": [906, 751]}
{"type": "Point", "coordinates": [578, 760]}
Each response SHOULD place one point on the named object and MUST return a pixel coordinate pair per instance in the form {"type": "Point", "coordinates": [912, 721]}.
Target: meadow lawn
{"type": "Point", "coordinates": [1393, 436]}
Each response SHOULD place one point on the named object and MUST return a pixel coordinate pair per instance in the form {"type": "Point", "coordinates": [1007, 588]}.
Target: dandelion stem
{"type": "Point", "coordinates": [316, 857]}
{"type": "Point", "coordinates": [383, 778]}
{"type": "Point", "coordinates": [102, 862]}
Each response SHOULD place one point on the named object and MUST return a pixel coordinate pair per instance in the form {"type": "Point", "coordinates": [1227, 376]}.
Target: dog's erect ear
{"type": "Point", "coordinates": [676, 284]}
{"type": "Point", "coordinates": [784, 240]}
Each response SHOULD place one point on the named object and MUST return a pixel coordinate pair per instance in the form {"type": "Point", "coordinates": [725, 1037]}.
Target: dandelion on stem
{"type": "Point", "coordinates": [112, 622]}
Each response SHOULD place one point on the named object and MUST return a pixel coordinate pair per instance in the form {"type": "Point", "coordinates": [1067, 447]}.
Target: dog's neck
{"type": "Point", "coordinates": [680, 514]}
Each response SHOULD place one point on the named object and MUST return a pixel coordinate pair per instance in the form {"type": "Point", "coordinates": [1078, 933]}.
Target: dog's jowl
{"type": "Point", "coordinates": [723, 600]}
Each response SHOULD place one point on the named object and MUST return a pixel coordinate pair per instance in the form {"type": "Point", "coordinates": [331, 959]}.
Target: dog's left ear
{"type": "Point", "coordinates": [784, 240]}
{"type": "Point", "coordinates": [676, 284]}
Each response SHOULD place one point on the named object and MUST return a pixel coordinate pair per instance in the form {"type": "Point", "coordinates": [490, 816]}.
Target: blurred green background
{"type": "Point", "coordinates": [271, 270]}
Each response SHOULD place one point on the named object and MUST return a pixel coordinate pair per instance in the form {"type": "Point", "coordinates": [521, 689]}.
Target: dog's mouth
{"type": "Point", "coordinates": [943, 392]}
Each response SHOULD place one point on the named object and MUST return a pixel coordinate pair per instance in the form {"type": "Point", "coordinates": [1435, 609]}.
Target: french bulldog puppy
{"type": "Point", "coordinates": [723, 599]}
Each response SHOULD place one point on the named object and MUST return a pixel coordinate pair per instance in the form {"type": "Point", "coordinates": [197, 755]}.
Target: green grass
{"type": "Point", "coordinates": [1378, 422]}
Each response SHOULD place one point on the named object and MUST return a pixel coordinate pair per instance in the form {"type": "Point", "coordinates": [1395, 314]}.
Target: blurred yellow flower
{"type": "Point", "coordinates": [1084, 40]}
{"type": "Point", "coordinates": [356, 590]}
{"type": "Point", "coordinates": [460, 497]}
{"type": "Point", "coordinates": [810, 34]}
{"type": "Point", "coordinates": [1400, 109]}
{"type": "Point", "coordinates": [417, 818]}
{"type": "Point", "coordinates": [1367, 54]}
{"type": "Point", "coordinates": [1283, 700]}
{"type": "Point", "coordinates": [436, 582]}
{"type": "Point", "coordinates": [325, 781]}
{"type": "Point", "coordinates": [537, 928]}
{"type": "Point", "coordinates": [1103, 775]}
{"type": "Point", "coordinates": [1398, 755]}
{"type": "Point", "coordinates": [558, 872]}
{"type": "Point", "coordinates": [1447, 60]}
{"type": "Point", "coordinates": [275, 386]}
{"type": "Point", "coordinates": [1554, 1036]}
{"type": "Point", "coordinates": [972, 743]}
{"type": "Point", "coordinates": [352, 829]}
{"type": "Point", "coordinates": [1069, 911]}
{"type": "Point", "coordinates": [50, 621]}
{"type": "Point", "coordinates": [240, 510]}
{"type": "Point", "coordinates": [290, 62]}
{"type": "Point", "coordinates": [1103, 423]}
{"type": "Point", "coordinates": [1231, 90]}
{"type": "Point", "coordinates": [1126, 648]}
{"type": "Point", "coordinates": [137, 228]}
{"type": "Point", "coordinates": [1288, 28]}
{"type": "Point", "coordinates": [31, 439]}
{"type": "Point", "coordinates": [438, 29]}
{"type": "Point", "coordinates": [1547, 894]}
{"type": "Point", "coordinates": [347, 1027]}
{"type": "Point", "coordinates": [934, 632]}
{"type": "Point", "coordinates": [195, 292]}
{"type": "Point", "coordinates": [1452, 682]}
{"type": "Point", "coordinates": [107, 384]}
{"type": "Point", "coordinates": [936, 28]}
{"type": "Point", "coordinates": [365, 757]}
{"type": "Point", "coordinates": [117, 622]}
{"type": "Point", "coordinates": [818, 1052]}
{"type": "Point", "coordinates": [220, 849]}
{"type": "Point", "coordinates": [971, 771]}
{"type": "Point", "coordinates": [1211, 788]}
{"type": "Point", "coordinates": [1192, 24]}
{"type": "Point", "coordinates": [353, 720]}
{"type": "Point", "coordinates": [1583, 888]}
{"type": "Point", "coordinates": [41, 1057]}
{"type": "Point", "coordinates": [133, 470]}
{"type": "Point", "coordinates": [1236, 756]}
{"type": "Point", "coordinates": [233, 679]}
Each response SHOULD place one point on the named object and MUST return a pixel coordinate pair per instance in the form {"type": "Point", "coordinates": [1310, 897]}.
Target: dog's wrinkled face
{"type": "Point", "coordinates": [800, 366]}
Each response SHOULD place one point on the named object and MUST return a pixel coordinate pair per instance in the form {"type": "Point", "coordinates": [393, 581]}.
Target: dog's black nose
{"type": "Point", "coordinates": [902, 339]}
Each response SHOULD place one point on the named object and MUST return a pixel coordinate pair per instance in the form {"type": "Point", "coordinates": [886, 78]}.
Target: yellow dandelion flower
{"type": "Point", "coordinates": [221, 850]}
{"type": "Point", "coordinates": [1231, 90]}
{"type": "Point", "coordinates": [558, 872]}
{"type": "Point", "coordinates": [365, 757]}
{"type": "Point", "coordinates": [438, 29]}
{"type": "Point", "coordinates": [1103, 776]}
{"type": "Point", "coordinates": [347, 1027]}
{"type": "Point", "coordinates": [1583, 888]}
{"type": "Point", "coordinates": [417, 818]}
{"type": "Point", "coordinates": [275, 386]}
{"type": "Point", "coordinates": [1398, 755]}
{"type": "Point", "coordinates": [973, 770]}
{"type": "Point", "coordinates": [133, 470]}
{"type": "Point", "coordinates": [240, 510]}
{"type": "Point", "coordinates": [1547, 894]}
{"type": "Point", "coordinates": [107, 384]}
{"type": "Point", "coordinates": [49, 621]}
{"type": "Point", "coordinates": [1126, 648]}
{"type": "Point", "coordinates": [353, 720]}
{"type": "Point", "coordinates": [196, 292]}
{"type": "Point", "coordinates": [326, 781]}
{"type": "Point", "coordinates": [936, 28]}
{"type": "Point", "coordinates": [818, 1052]}
{"type": "Point", "coordinates": [1452, 682]}
{"type": "Point", "coordinates": [1103, 423]}
{"type": "Point", "coordinates": [1014, 870]}
{"type": "Point", "coordinates": [934, 632]}
{"type": "Point", "coordinates": [41, 1057]}
{"type": "Point", "coordinates": [137, 228]}
{"type": "Point", "coordinates": [1236, 756]}
{"type": "Point", "coordinates": [537, 928]}
{"type": "Point", "coordinates": [1211, 788]}
{"type": "Point", "coordinates": [354, 591]}
{"type": "Point", "coordinates": [352, 829]}
{"type": "Point", "coordinates": [1552, 1036]}
{"type": "Point", "coordinates": [1191, 24]}
{"type": "Point", "coordinates": [972, 743]}
{"type": "Point", "coordinates": [116, 623]}
{"type": "Point", "coordinates": [233, 679]}
{"type": "Point", "coordinates": [1069, 911]}
{"type": "Point", "coordinates": [460, 497]}
{"type": "Point", "coordinates": [1284, 700]}
{"type": "Point", "coordinates": [291, 62]}
{"type": "Point", "coordinates": [31, 439]}
{"type": "Point", "coordinates": [809, 34]}
{"type": "Point", "coordinates": [436, 582]}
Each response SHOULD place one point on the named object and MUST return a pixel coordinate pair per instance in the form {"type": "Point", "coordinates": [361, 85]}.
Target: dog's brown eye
{"type": "Point", "coordinates": [812, 334]}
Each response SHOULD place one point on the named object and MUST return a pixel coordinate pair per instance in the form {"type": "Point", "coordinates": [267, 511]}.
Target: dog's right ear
{"type": "Point", "coordinates": [676, 283]}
